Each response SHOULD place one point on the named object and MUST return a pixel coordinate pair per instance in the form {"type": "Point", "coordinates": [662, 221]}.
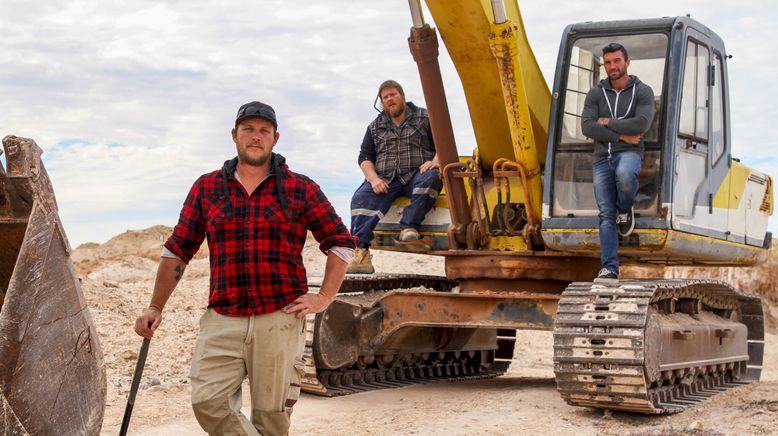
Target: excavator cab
{"type": "Point", "coordinates": [696, 204]}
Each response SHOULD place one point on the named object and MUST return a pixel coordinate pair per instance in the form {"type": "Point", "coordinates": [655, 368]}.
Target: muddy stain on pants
{"type": "Point", "coordinates": [267, 349]}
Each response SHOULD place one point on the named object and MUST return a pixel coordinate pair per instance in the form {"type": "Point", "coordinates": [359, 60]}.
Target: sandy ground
{"type": "Point", "coordinates": [117, 278]}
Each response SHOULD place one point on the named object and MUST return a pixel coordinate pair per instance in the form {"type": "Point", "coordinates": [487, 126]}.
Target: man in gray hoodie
{"type": "Point", "coordinates": [617, 112]}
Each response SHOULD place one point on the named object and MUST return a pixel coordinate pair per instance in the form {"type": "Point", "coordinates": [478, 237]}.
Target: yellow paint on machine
{"type": "Point", "coordinates": [508, 243]}
{"type": "Point", "coordinates": [675, 247]}
{"type": "Point", "coordinates": [656, 235]}
{"type": "Point", "coordinates": [731, 190]}
{"type": "Point", "coordinates": [465, 27]}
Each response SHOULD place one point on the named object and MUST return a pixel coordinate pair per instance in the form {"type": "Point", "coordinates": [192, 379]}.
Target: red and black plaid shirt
{"type": "Point", "coordinates": [256, 243]}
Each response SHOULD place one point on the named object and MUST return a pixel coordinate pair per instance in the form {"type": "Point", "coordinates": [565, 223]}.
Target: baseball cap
{"type": "Point", "coordinates": [256, 109]}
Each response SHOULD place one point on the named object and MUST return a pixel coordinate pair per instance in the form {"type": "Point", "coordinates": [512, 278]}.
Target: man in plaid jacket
{"type": "Point", "coordinates": [255, 213]}
{"type": "Point", "coordinates": [398, 158]}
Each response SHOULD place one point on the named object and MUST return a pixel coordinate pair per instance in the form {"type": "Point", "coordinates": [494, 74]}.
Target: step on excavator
{"type": "Point", "coordinates": [518, 227]}
{"type": "Point", "coordinates": [52, 378]}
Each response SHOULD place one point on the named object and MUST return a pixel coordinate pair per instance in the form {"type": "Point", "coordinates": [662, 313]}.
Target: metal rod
{"type": "Point", "coordinates": [424, 47]}
{"type": "Point", "coordinates": [416, 15]}
{"type": "Point", "coordinates": [144, 349]}
{"type": "Point", "coordinates": [498, 8]}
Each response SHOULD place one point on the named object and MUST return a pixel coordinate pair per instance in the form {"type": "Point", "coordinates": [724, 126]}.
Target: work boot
{"type": "Point", "coordinates": [626, 222]}
{"type": "Point", "coordinates": [409, 235]}
{"type": "Point", "coordinates": [361, 263]}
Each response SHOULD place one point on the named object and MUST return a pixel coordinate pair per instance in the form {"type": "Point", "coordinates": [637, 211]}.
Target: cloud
{"type": "Point", "coordinates": [131, 101]}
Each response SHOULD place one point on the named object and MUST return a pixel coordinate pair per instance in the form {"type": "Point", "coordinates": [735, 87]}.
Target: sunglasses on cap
{"type": "Point", "coordinates": [254, 111]}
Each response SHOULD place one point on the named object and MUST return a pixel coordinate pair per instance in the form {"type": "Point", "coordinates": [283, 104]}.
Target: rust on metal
{"type": "Point", "coordinates": [630, 346]}
{"type": "Point", "coordinates": [502, 172]}
{"type": "Point", "coordinates": [52, 378]}
{"type": "Point", "coordinates": [524, 265]}
{"type": "Point", "coordinates": [484, 309]}
{"type": "Point", "coordinates": [408, 320]}
{"type": "Point", "coordinates": [423, 44]}
{"type": "Point", "coordinates": [477, 229]}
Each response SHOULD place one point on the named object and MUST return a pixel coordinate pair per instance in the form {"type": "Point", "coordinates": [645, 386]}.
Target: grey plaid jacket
{"type": "Point", "coordinates": [397, 152]}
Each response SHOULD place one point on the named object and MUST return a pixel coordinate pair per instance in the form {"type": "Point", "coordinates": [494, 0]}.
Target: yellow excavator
{"type": "Point", "coordinates": [518, 227]}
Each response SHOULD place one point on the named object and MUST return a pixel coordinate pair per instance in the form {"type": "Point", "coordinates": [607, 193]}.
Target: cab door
{"type": "Point", "coordinates": [691, 184]}
{"type": "Point", "coordinates": [719, 203]}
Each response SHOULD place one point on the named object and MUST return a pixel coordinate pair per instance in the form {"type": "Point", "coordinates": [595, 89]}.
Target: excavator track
{"type": "Point", "coordinates": [372, 372]}
{"type": "Point", "coordinates": [603, 336]}
{"type": "Point", "coordinates": [360, 284]}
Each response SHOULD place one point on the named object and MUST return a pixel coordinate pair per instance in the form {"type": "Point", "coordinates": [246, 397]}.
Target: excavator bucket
{"type": "Point", "coordinates": [52, 378]}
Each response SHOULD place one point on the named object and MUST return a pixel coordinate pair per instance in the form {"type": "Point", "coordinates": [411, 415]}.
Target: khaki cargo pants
{"type": "Point", "coordinates": [266, 348]}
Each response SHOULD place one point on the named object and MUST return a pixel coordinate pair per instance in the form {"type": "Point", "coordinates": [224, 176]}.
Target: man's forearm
{"type": "Point", "coordinates": [594, 130]}
{"type": "Point", "coordinates": [590, 126]}
{"type": "Point", "coordinates": [334, 271]}
{"type": "Point", "coordinates": [637, 125]}
{"type": "Point", "coordinates": [368, 169]}
{"type": "Point", "coordinates": [169, 273]}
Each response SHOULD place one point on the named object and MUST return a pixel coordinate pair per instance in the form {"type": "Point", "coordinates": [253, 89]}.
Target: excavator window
{"type": "Point", "coordinates": [694, 95]}
{"type": "Point", "coordinates": [573, 193]}
{"type": "Point", "coordinates": [718, 134]}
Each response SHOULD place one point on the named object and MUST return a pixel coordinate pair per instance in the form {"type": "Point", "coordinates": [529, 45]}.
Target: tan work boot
{"type": "Point", "coordinates": [408, 234]}
{"type": "Point", "coordinates": [361, 263]}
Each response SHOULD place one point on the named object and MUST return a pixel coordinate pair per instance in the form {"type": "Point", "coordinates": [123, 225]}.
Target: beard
{"type": "Point", "coordinates": [257, 161]}
{"type": "Point", "coordinates": [618, 74]}
{"type": "Point", "coordinates": [397, 111]}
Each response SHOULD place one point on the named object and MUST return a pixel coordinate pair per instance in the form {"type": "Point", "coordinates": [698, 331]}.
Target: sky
{"type": "Point", "coordinates": [132, 100]}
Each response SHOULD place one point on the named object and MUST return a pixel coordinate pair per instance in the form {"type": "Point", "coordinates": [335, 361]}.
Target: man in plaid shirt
{"type": "Point", "coordinates": [255, 213]}
{"type": "Point", "coordinates": [398, 158]}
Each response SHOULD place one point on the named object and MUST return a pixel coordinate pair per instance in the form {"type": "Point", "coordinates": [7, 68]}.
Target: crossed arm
{"type": "Point", "coordinates": [629, 130]}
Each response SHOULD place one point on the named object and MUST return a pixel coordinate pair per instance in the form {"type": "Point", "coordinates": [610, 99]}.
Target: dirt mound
{"type": "Point", "coordinates": [146, 243]}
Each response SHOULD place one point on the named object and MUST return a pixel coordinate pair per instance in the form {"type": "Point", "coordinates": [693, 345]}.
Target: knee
{"type": "Point", "coordinates": [627, 171]}
{"type": "Point", "coordinates": [607, 213]}
{"type": "Point", "coordinates": [211, 413]}
{"type": "Point", "coordinates": [607, 218]}
{"type": "Point", "coordinates": [362, 200]}
{"type": "Point", "coordinates": [431, 179]}
{"type": "Point", "coordinates": [272, 423]}
{"type": "Point", "coordinates": [626, 180]}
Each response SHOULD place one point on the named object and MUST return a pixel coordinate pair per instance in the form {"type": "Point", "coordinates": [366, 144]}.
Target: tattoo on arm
{"type": "Point", "coordinates": [179, 272]}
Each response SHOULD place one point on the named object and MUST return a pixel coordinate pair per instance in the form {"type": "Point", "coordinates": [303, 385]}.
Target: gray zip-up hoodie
{"type": "Point", "coordinates": [630, 110]}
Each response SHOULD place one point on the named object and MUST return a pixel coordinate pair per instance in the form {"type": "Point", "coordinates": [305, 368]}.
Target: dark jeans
{"type": "Point", "coordinates": [615, 182]}
{"type": "Point", "coordinates": [367, 207]}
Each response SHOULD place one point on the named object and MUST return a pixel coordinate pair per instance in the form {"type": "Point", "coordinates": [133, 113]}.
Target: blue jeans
{"type": "Point", "coordinates": [615, 182]}
{"type": "Point", "coordinates": [367, 207]}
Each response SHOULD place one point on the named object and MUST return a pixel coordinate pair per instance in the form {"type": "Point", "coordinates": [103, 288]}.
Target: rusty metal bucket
{"type": "Point", "coordinates": [52, 378]}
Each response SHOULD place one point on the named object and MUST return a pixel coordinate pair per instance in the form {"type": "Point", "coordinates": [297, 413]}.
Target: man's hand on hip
{"type": "Point", "coordinates": [308, 303]}
{"type": "Point", "coordinates": [379, 185]}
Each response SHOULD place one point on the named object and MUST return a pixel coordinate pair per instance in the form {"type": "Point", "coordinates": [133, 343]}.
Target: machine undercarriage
{"type": "Point", "coordinates": [655, 346]}
{"type": "Point", "coordinates": [648, 346]}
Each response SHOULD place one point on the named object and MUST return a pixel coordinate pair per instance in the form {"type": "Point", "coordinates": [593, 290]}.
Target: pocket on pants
{"type": "Point", "coordinates": [294, 384]}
